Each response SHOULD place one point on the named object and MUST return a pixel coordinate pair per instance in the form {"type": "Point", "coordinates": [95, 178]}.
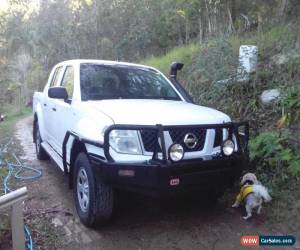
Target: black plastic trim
{"type": "Point", "coordinates": [83, 140]}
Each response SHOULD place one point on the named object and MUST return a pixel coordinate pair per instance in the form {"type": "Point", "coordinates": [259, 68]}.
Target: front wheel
{"type": "Point", "coordinates": [93, 198]}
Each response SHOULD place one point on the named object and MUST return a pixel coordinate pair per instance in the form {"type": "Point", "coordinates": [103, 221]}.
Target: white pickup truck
{"type": "Point", "coordinates": [111, 125]}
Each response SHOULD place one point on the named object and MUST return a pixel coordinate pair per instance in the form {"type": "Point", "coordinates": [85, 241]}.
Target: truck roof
{"type": "Point", "coordinates": [102, 62]}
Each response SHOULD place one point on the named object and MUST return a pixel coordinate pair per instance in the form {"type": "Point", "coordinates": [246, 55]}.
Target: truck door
{"type": "Point", "coordinates": [50, 107]}
{"type": "Point", "coordinates": [65, 115]}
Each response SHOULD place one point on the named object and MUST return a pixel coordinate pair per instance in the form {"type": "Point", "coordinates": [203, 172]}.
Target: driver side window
{"type": "Point", "coordinates": [68, 81]}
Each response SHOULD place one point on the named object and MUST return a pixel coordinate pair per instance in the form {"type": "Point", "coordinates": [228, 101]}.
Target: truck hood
{"type": "Point", "coordinates": [152, 112]}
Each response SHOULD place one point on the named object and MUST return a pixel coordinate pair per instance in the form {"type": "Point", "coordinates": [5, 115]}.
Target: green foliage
{"type": "Point", "coordinates": [267, 145]}
{"type": "Point", "coordinates": [12, 114]}
{"type": "Point", "coordinates": [183, 54]}
{"type": "Point", "coordinates": [37, 78]}
{"type": "Point", "coordinates": [280, 35]}
{"type": "Point", "coordinates": [290, 102]}
{"type": "Point", "coordinates": [265, 77]}
{"type": "Point", "coordinates": [273, 152]}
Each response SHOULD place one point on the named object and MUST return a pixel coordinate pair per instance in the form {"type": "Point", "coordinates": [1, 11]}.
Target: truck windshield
{"type": "Point", "coordinates": [100, 82]}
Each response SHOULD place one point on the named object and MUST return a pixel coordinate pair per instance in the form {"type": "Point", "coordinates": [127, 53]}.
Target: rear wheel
{"type": "Point", "coordinates": [93, 198]}
{"type": "Point", "coordinates": [40, 151]}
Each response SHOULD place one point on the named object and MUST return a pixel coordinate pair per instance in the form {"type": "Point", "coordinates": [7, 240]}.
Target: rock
{"type": "Point", "coordinates": [269, 96]}
{"type": "Point", "coordinates": [67, 231]}
{"type": "Point", "coordinates": [57, 222]}
{"type": "Point", "coordinates": [280, 59]}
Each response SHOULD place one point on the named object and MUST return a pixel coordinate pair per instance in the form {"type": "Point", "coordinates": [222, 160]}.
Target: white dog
{"type": "Point", "coordinates": [252, 193]}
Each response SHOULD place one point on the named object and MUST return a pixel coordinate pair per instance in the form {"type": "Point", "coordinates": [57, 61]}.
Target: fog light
{"type": "Point", "coordinates": [176, 152]}
{"type": "Point", "coordinates": [228, 147]}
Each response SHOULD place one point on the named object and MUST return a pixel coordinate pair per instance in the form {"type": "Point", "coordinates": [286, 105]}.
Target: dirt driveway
{"type": "Point", "coordinates": [138, 223]}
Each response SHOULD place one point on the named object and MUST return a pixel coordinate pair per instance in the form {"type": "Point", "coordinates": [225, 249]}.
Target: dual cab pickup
{"type": "Point", "coordinates": [111, 125]}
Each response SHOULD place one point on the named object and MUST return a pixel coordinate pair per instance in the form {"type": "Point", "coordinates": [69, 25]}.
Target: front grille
{"type": "Point", "coordinates": [218, 137]}
{"type": "Point", "coordinates": [150, 140]}
{"type": "Point", "coordinates": [178, 134]}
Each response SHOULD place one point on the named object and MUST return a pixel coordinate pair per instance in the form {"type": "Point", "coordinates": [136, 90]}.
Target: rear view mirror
{"type": "Point", "coordinates": [58, 93]}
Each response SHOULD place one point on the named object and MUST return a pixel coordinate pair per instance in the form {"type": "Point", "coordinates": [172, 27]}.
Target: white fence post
{"type": "Point", "coordinates": [15, 200]}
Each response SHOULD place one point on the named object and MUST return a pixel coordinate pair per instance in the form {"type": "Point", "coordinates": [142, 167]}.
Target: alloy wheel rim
{"type": "Point", "coordinates": [83, 193]}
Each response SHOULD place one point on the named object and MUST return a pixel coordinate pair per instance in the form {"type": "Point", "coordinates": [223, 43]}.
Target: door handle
{"type": "Point", "coordinates": [45, 104]}
{"type": "Point", "coordinates": [54, 109]}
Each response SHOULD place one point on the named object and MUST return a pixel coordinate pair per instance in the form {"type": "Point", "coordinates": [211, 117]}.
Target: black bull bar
{"type": "Point", "coordinates": [239, 129]}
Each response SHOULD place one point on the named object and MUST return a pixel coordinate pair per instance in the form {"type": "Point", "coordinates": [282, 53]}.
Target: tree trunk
{"type": "Point", "coordinates": [298, 40]}
{"type": "Point", "coordinates": [233, 10]}
{"type": "Point", "coordinates": [180, 36]}
{"type": "Point", "coordinates": [230, 25]}
{"type": "Point", "coordinates": [201, 28]}
{"type": "Point", "coordinates": [283, 7]}
{"type": "Point", "coordinates": [208, 18]}
{"type": "Point", "coordinates": [187, 30]}
{"type": "Point", "coordinates": [259, 22]}
{"type": "Point", "coordinates": [97, 29]}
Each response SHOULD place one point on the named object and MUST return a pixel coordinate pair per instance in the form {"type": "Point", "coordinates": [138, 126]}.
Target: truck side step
{"type": "Point", "coordinates": [54, 155]}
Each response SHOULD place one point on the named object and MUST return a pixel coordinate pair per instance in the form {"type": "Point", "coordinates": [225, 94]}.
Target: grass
{"type": "Point", "coordinates": [183, 54]}
{"type": "Point", "coordinates": [12, 116]}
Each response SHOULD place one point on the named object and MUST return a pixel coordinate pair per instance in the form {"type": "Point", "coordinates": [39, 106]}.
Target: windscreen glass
{"type": "Point", "coordinates": [100, 82]}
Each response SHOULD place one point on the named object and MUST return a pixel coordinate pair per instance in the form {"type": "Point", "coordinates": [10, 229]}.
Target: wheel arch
{"type": "Point", "coordinates": [77, 148]}
{"type": "Point", "coordinates": [35, 120]}
{"type": "Point", "coordinates": [38, 117]}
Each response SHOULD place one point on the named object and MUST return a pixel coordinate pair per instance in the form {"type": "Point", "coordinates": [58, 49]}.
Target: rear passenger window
{"type": "Point", "coordinates": [68, 81]}
{"type": "Point", "coordinates": [55, 77]}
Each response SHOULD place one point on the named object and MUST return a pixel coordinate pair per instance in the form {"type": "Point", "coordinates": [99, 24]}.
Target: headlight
{"type": "Point", "coordinates": [125, 141]}
{"type": "Point", "coordinates": [228, 147]}
{"type": "Point", "coordinates": [176, 152]}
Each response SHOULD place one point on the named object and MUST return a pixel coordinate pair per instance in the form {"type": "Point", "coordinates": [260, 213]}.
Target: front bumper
{"type": "Point", "coordinates": [159, 179]}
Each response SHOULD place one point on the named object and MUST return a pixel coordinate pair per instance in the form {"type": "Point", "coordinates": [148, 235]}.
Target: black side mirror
{"type": "Point", "coordinates": [58, 93]}
{"type": "Point", "coordinates": [175, 66]}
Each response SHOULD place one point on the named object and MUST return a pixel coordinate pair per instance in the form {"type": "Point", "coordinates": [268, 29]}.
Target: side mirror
{"type": "Point", "coordinates": [58, 93]}
{"type": "Point", "coordinates": [175, 66]}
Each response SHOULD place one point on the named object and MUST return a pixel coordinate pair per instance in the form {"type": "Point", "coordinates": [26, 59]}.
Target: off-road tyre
{"type": "Point", "coordinates": [100, 196]}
